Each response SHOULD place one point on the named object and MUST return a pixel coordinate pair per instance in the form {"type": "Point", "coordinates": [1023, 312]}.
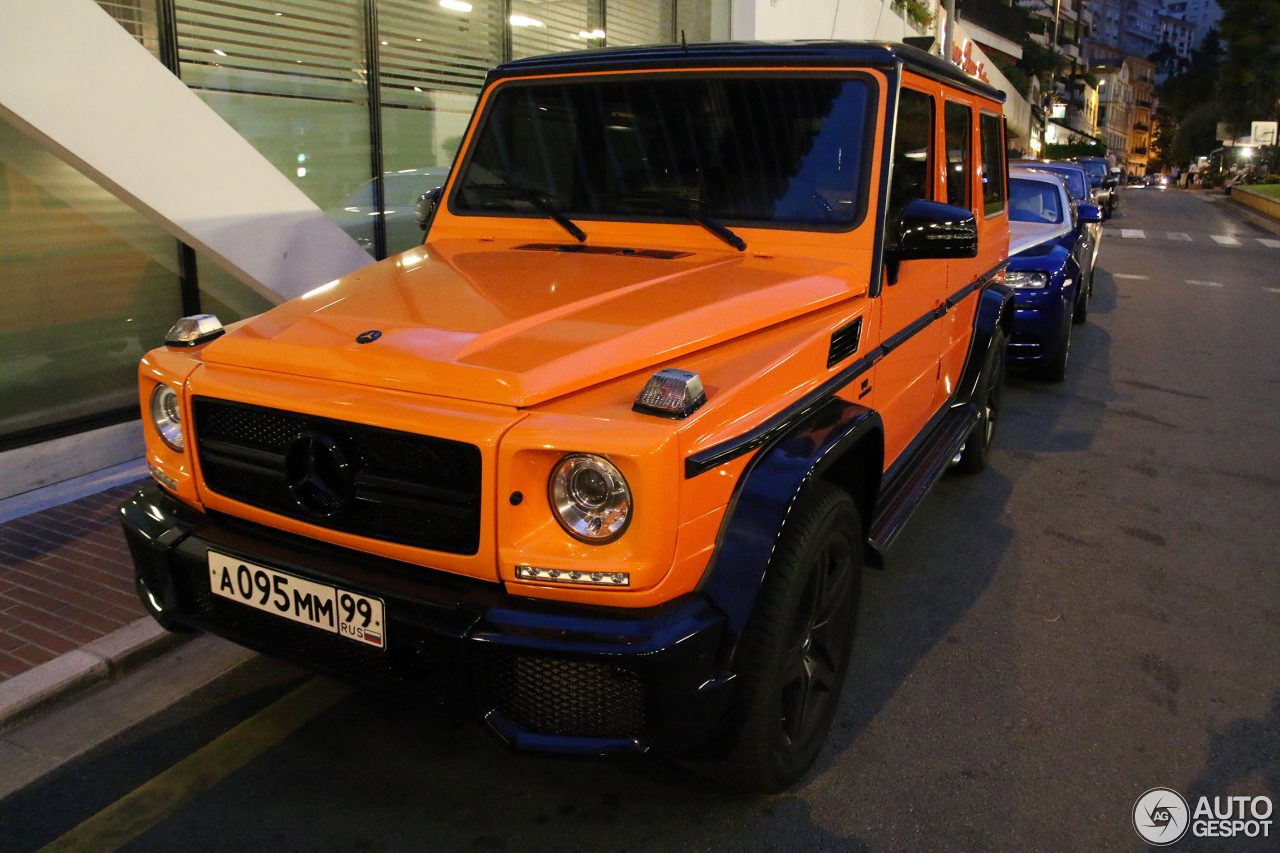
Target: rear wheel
{"type": "Point", "coordinates": [973, 458]}
{"type": "Point", "coordinates": [795, 652]}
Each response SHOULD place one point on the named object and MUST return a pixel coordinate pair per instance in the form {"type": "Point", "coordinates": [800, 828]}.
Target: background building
{"type": "Point", "coordinates": [347, 107]}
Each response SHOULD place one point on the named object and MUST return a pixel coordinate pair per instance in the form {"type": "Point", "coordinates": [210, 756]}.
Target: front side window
{"type": "Point", "coordinates": [959, 127]}
{"type": "Point", "coordinates": [1034, 201]}
{"type": "Point", "coordinates": [779, 151]}
{"type": "Point", "coordinates": [912, 155]}
{"type": "Point", "coordinates": [991, 135]}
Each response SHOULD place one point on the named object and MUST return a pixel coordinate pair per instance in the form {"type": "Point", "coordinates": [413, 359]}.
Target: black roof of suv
{"type": "Point", "coordinates": [741, 54]}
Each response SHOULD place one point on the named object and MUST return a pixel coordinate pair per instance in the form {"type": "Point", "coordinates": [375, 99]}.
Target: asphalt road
{"type": "Point", "coordinates": [1096, 615]}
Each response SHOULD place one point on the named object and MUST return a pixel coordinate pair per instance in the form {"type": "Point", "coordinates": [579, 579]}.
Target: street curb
{"type": "Point", "coordinates": [1248, 214]}
{"type": "Point", "coordinates": [104, 659]}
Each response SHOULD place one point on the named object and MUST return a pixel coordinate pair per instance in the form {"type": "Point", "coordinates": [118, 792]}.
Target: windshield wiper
{"type": "Point", "coordinates": [538, 198]}
{"type": "Point", "coordinates": [680, 204]}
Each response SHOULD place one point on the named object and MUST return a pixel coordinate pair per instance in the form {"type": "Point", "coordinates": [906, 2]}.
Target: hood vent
{"type": "Point", "coordinates": [579, 249]}
{"type": "Point", "coordinates": [844, 342]}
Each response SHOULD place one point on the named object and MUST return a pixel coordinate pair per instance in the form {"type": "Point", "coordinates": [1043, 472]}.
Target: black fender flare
{"type": "Point", "coordinates": [766, 492]}
{"type": "Point", "coordinates": [994, 313]}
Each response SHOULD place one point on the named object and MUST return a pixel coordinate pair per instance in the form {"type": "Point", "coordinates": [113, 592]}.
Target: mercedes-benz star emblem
{"type": "Point", "coordinates": [368, 337]}
{"type": "Point", "coordinates": [319, 474]}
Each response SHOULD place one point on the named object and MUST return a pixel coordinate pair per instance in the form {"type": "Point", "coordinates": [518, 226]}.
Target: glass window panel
{"type": "Point", "coordinates": [552, 26]}
{"type": "Point", "coordinates": [223, 294]}
{"type": "Point", "coordinates": [291, 79]}
{"type": "Point", "coordinates": [994, 171]}
{"type": "Point", "coordinates": [138, 17]}
{"type": "Point", "coordinates": [88, 285]}
{"type": "Point", "coordinates": [912, 155]}
{"type": "Point", "coordinates": [959, 130]}
{"type": "Point", "coordinates": [638, 22]}
{"type": "Point", "coordinates": [432, 63]}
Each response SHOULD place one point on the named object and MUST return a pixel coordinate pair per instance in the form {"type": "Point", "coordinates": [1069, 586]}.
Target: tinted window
{"type": "Point", "coordinates": [1075, 183]}
{"type": "Point", "coordinates": [772, 150]}
{"type": "Point", "coordinates": [993, 167]}
{"type": "Point", "coordinates": [912, 155]}
{"type": "Point", "coordinates": [1034, 201]}
{"type": "Point", "coordinates": [959, 125]}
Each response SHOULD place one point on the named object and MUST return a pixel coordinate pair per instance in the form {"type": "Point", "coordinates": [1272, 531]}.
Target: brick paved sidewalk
{"type": "Point", "coordinates": [65, 580]}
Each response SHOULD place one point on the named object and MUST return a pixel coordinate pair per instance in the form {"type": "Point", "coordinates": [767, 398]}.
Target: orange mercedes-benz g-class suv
{"type": "Point", "coordinates": [692, 331]}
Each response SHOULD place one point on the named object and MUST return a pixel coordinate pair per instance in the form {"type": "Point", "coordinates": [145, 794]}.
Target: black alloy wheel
{"type": "Point", "coordinates": [1055, 369]}
{"type": "Point", "coordinates": [973, 456]}
{"type": "Point", "coordinates": [1080, 310]}
{"type": "Point", "coordinates": [795, 652]}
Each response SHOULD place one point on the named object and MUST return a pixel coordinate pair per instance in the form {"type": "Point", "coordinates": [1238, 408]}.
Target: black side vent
{"type": "Point", "coordinates": [580, 249]}
{"type": "Point", "coordinates": [844, 342]}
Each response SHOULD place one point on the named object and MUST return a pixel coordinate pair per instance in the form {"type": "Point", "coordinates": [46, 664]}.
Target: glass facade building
{"type": "Point", "coordinates": [362, 104]}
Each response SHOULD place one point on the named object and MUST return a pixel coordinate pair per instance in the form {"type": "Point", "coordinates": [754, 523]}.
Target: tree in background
{"type": "Point", "coordinates": [1249, 82]}
{"type": "Point", "coordinates": [1189, 103]}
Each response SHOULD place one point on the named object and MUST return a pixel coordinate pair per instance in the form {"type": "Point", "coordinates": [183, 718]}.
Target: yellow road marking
{"type": "Point", "coordinates": [144, 807]}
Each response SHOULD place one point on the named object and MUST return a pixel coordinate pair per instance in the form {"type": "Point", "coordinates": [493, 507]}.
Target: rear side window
{"type": "Point", "coordinates": [959, 128]}
{"type": "Point", "coordinates": [912, 155]}
{"type": "Point", "coordinates": [993, 166]}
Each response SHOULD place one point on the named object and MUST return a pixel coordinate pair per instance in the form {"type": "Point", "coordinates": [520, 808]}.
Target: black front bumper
{"type": "Point", "coordinates": [541, 675]}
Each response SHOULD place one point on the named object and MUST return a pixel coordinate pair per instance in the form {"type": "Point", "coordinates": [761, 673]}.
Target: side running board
{"type": "Point", "coordinates": [905, 492]}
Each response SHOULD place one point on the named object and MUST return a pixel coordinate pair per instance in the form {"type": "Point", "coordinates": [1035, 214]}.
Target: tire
{"type": "Point", "coordinates": [1055, 370]}
{"type": "Point", "coordinates": [973, 458]}
{"type": "Point", "coordinates": [795, 652]}
{"type": "Point", "coordinates": [1080, 311]}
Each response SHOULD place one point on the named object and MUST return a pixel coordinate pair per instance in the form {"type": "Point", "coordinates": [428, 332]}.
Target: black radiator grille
{"type": "Point", "coordinates": [557, 696]}
{"type": "Point", "coordinates": [395, 486]}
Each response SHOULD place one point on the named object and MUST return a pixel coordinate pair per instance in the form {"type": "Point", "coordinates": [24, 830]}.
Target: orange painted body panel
{"type": "Point", "coordinates": [530, 355]}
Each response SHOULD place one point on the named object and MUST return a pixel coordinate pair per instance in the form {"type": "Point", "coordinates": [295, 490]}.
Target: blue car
{"type": "Point", "coordinates": [1077, 182]}
{"type": "Point", "coordinates": [1050, 259]}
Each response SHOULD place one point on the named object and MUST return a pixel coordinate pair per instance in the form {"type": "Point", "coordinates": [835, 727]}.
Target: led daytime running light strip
{"type": "Point", "coordinates": [530, 573]}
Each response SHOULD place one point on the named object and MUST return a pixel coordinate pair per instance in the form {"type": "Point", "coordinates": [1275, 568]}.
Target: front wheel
{"type": "Point", "coordinates": [1080, 313]}
{"type": "Point", "coordinates": [973, 458]}
{"type": "Point", "coordinates": [795, 651]}
{"type": "Point", "coordinates": [1055, 369]}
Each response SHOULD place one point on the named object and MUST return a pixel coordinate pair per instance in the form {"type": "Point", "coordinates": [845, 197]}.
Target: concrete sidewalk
{"type": "Point", "coordinates": [69, 617]}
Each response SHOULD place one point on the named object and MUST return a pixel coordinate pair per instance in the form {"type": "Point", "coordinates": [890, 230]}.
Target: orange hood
{"type": "Point", "coordinates": [485, 321]}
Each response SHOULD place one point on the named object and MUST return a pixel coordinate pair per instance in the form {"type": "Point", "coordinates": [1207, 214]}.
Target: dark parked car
{"type": "Point", "coordinates": [1101, 183]}
{"type": "Point", "coordinates": [1077, 182]}
{"type": "Point", "coordinates": [1046, 270]}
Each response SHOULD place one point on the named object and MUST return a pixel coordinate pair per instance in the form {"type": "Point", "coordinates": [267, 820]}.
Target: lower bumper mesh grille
{"type": "Point", "coordinates": [555, 696]}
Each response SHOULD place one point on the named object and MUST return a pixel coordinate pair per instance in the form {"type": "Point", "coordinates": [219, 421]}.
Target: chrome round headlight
{"type": "Point", "coordinates": [590, 498]}
{"type": "Point", "coordinates": [166, 414]}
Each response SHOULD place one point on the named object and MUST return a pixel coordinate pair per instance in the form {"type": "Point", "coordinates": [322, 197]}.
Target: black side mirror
{"type": "Point", "coordinates": [425, 209]}
{"type": "Point", "coordinates": [929, 229]}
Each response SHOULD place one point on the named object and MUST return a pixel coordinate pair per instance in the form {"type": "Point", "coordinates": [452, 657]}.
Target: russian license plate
{"type": "Point", "coordinates": [338, 611]}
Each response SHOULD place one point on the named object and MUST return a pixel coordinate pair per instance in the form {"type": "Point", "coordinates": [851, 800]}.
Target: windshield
{"type": "Point", "coordinates": [1095, 168]}
{"type": "Point", "coordinates": [1075, 183]}
{"type": "Point", "coordinates": [1034, 201]}
{"type": "Point", "coordinates": [765, 150]}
